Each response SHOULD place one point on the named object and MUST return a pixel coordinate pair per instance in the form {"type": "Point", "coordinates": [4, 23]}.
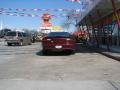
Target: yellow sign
{"type": "Point", "coordinates": [56, 28]}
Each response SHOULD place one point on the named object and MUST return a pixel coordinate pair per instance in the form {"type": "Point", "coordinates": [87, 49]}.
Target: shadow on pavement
{"type": "Point", "coordinates": [80, 48]}
{"type": "Point", "coordinates": [40, 53]}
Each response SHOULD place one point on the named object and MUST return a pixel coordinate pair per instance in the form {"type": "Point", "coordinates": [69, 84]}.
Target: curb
{"type": "Point", "coordinates": [99, 50]}
{"type": "Point", "coordinates": [110, 56]}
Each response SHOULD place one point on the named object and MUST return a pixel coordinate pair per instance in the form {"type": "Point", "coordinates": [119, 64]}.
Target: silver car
{"type": "Point", "coordinates": [18, 38]}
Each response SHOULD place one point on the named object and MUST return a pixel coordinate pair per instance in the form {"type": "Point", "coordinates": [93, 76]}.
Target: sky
{"type": "Point", "coordinates": [34, 22]}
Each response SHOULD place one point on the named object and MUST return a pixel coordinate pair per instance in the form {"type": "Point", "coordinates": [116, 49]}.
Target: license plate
{"type": "Point", "coordinates": [58, 47]}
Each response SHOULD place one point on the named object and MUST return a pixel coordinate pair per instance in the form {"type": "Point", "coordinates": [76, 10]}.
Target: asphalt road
{"type": "Point", "coordinates": [26, 67]}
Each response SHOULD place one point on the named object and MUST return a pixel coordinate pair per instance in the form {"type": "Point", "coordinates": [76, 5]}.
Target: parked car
{"type": "Point", "coordinates": [18, 38]}
{"type": "Point", "coordinates": [3, 32]}
{"type": "Point", "coordinates": [58, 41]}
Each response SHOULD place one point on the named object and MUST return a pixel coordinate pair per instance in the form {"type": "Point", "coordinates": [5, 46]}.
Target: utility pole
{"type": "Point", "coordinates": [1, 25]}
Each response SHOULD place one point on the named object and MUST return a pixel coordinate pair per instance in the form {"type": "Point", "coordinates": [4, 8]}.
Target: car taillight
{"type": "Point", "coordinates": [68, 39]}
{"type": "Point", "coordinates": [48, 39]}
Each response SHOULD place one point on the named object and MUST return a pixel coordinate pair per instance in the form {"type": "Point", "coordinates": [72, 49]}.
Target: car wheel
{"type": "Point", "coordinates": [44, 52]}
{"type": "Point", "coordinates": [73, 52]}
{"type": "Point", "coordinates": [9, 44]}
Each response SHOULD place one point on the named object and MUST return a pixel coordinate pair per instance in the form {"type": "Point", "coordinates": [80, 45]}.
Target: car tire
{"type": "Point", "coordinates": [44, 52]}
{"type": "Point", "coordinates": [73, 52]}
{"type": "Point", "coordinates": [9, 44]}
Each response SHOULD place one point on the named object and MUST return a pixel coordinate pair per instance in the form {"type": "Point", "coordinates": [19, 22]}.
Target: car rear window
{"type": "Point", "coordinates": [11, 34]}
{"type": "Point", "coordinates": [58, 34]}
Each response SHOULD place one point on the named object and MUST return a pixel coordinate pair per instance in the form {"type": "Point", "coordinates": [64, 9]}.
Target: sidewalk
{"type": "Point", "coordinates": [114, 52]}
{"type": "Point", "coordinates": [112, 48]}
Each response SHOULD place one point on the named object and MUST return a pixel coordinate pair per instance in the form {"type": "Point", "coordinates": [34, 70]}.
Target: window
{"type": "Point", "coordinates": [19, 34]}
{"type": "Point", "coordinates": [59, 34]}
{"type": "Point", "coordinates": [11, 34]}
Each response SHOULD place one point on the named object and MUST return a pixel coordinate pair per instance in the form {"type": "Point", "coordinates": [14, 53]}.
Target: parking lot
{"type": "Point", "coordinates": [27, 62]}
{"type": "Point", "coordinates": [27, 68]}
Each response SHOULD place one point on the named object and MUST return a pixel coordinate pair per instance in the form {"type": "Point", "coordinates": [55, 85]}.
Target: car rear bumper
{"type": "Point", "coordinates": [68, 47]}
{"type": "Point", "coordinates": [12, 41]}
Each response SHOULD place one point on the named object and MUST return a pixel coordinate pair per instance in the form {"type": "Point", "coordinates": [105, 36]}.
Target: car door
{"type": "Point", "coordinates": [24, 38]}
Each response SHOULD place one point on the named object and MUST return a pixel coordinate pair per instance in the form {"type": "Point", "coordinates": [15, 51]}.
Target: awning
{"type": "Point", "coordinates": [104, 8]}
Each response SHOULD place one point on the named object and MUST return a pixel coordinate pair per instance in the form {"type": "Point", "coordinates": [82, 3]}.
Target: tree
{"type": "Point", "coordinates": [71, 19]}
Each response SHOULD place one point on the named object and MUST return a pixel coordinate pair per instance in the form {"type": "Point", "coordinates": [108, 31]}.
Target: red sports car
{"type": "Point", "coordinates": [58, 41]}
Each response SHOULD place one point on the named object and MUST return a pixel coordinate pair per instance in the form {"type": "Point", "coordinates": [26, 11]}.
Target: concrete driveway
{"type": "Point", "coordinates": [25, 68]}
